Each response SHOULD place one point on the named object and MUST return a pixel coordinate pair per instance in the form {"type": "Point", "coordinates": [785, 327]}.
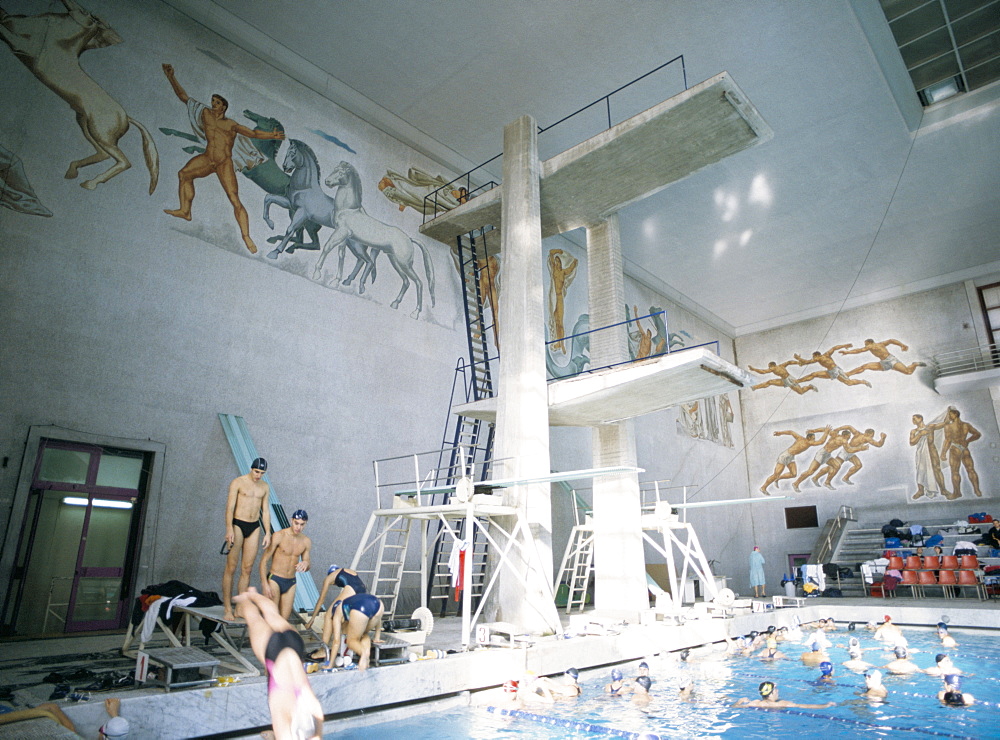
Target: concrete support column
{"type": "Point", "coordinates": [619, 562]}
{"type": "Point", "coordinates": [524, 593]}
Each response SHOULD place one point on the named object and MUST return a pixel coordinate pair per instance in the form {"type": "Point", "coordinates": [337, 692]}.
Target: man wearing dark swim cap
{"type": "Point", "coordinates": [289, 554]}
{"type": "Point", "coordinates": [769, 700]}
{"type": "Point", "coordinates": [246, 510]}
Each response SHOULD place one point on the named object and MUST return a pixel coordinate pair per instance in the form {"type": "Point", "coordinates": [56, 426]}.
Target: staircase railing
{"type": "Point", "coordinates": [830, 540]}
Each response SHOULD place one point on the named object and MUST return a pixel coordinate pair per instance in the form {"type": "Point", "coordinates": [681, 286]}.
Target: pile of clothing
{"type": "Point", "coordinates": [158, 601]}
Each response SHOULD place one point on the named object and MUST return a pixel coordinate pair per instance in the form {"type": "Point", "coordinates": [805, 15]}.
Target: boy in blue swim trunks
{"type": "Point", "coordinates": [289, 554]}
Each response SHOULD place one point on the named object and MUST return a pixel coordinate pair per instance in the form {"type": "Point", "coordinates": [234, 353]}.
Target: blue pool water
{"type": "Point", "coordinates": [910, 711]}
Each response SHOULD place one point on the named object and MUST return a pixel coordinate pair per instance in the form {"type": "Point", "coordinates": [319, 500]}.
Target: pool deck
{"type": "Point", "coordinates": [349, 697]}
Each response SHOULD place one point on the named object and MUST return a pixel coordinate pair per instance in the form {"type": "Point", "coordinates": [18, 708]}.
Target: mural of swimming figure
{"type": "Point", "coordinates": [784, 377]}
{"type": "Point", "coordinates": [926, 438]}
{"type": "Point", "coordinates": [886, 360]}
{"type": "Point", "coordinates": [15, 190]}
{"type": "Point", "coordinates": [579, 351]}
{"type": "Point", "coordinates": [409, 190]}
{"type": "Point", "coordinates": [829, 368]}
{"type": "Point", "coordinates": [785, 467]}
{"type": "Point", "coordinates": [50, 46]}
{"type": "Point", "coordinates": [562, 270]}
{"type": "Point", "coordinates": [353, 223]}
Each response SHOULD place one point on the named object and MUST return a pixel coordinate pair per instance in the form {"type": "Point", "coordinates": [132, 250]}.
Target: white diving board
{"type": "Point", "coordinates": [509, 482]}
{"type": "Point", "coordinates": [631, 390]}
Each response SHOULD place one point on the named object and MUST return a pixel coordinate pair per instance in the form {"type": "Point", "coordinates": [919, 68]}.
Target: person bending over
{"type": "Point", "coordinates": [363, 613]}
{"type": "Point", "coordinates": [350, 584]}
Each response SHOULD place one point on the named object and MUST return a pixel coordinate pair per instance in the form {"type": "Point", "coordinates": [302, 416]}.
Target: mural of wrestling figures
{"type": "Point", "coordinates": [830, 370]}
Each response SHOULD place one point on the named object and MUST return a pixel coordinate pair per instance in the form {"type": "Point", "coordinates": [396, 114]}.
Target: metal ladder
{"type": "Point", "coordinates": [392, 535]}
{"type": "Point", "coordinates": [577, 566]}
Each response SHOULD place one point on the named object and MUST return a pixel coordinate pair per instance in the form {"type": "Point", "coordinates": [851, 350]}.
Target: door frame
{"type": "Point", "coordinates": [19, 515]}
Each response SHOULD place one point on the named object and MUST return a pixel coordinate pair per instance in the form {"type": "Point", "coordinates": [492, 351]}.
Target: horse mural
{"type": "Point", "coordinates": [354, 223]}
{"type": "Point", "coordinates": [307, 203]}
{"type": "Point", "coordinates": [50, 45]}
{"type": "Point", "coordinates": [579, 351]}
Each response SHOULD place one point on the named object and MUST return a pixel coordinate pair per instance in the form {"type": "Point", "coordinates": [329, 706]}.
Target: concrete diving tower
{"type": "Point", "coordinates": [631, 390]}
{"type": "Point", "coordinates": [626, 163]}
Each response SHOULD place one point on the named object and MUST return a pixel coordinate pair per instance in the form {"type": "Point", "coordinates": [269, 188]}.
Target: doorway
{"type": "Point", "coordinates": [75, 564]}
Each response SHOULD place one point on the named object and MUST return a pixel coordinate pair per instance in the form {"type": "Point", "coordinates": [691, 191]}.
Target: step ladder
{"type": "Point", "coordinates": [577, 567]}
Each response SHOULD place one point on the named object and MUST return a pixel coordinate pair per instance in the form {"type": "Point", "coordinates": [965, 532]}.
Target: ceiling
{"type": "Point", "coordinates": [861, 195]}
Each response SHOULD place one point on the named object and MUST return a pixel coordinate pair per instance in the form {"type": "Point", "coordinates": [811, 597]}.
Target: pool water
{"type": "Point", "coordinates": [910, 711]}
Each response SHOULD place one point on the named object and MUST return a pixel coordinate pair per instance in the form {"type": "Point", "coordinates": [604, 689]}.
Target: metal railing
{"type": "Point", "coordinates": [464, 188]}
{"type": "Point", "coordinates": [832, 537]}
{"type": "Point", "coordinates": [969, 360]}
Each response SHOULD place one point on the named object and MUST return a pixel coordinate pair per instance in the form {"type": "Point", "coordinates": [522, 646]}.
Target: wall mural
{"type": "Point", "coordinates": [831, 371]}
{"type": "Point", "coordinates": [952, 436]}
{"type": "Point", "coordinates": [16, 192]}
{"type": "Point", "coordinates": [409, 191]}
{"type": "Point", "coordinates": [837, 446]}
{"type": "Point", "coordinates": [710, 419]}
{"type": "Point", "coordinates": [50, 45]}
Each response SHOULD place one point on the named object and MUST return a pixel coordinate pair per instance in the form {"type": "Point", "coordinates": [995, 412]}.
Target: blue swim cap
{"type": "Point", "coordinates": [301, 514]}
{"type": "Point", "coordinates": [900, 651]}
{"type": "Point", "coordinates": [644, 664]}
{"type": "Point", "coordinates": [826, 667]}
{"type": "Point", "coordinates": [332, 569]}
{"type": "Point", "coordinates": [573, 673]}
{"type": "Point", "coordinates": [259, 464]}
{"type": "Point", "coordinates": [815, 647]}
{"type": "Point", "coordinates": [616, 675]}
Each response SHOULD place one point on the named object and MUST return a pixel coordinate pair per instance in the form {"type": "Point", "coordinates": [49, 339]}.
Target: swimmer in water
{"type": "Point", "coordinates": [617, 686]}
{"type": "Point", "coordinates": [951, 695]}
{"type": "Point", "coordinates": [825, 674]}
{"type": "Point", "coordinates": [943, 666]}
{"type": "Point", "coordinates": [873, 685]}
{"type": "Point", "coordinates": [770, 652]}
{"type": "Point", "coordinates": [640, 690]}
{"type": "Point", "coordinates": [769, 700]}
{"type": "Point", "coordinates": [946, 639]}
{"type": "Point", "coordinates": [855, 663]}
{"type": "Point", "coordinates": [815, 655]}
{"type": "Point", "coordinates": [902, 665]}
{"type": "Point", "coordinates": [887, 631]}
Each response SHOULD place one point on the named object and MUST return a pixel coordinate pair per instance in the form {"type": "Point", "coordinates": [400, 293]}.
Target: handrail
{"type": "Point", "coordinates": [431, 206]}
{"type": "Point", "coordinates": [967, 360]}
{"type": "Point", "coordinates": [833, 535]}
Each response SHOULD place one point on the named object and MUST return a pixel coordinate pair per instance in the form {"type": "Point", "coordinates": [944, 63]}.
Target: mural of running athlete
{"type": "Point", "coordinates": [220, 135]}
{"type": "Point", "coordinates": [886, 360]}
{"type": "Point", "coordinates": [830, 369]}
{"type": "Point", "coordinates": [784, 378]}
{"type": "Point", "coordinates": [837, 439]}
{"type": "Point", "coordinates": [50, 46]}
{"type": "Point", "coordinates": [859, 442]}
{"type": "Point", "coordinates": [785, 467]}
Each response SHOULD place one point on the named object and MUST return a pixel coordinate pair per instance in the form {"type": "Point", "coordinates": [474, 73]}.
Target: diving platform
{"type": "Point", "coordinates": [630, 390]}
{"type": "Point", "coordinates": [627, 162]}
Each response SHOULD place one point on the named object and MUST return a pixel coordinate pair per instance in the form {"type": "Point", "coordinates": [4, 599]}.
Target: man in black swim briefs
{"type": "Point", "coordinates": [288, 554]}
{"type": "Point", "coordinates": [246, 507]}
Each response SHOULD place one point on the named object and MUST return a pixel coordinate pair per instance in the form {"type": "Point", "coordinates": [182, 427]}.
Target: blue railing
{"type": "Point", "coordinates": [462, 186]}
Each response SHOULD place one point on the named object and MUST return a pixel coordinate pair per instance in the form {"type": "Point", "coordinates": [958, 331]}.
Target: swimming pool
{"type": "Point", "coordinates": [911, 709]}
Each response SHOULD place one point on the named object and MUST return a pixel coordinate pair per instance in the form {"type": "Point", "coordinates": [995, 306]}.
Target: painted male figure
{"type": "Point", "coordinates": [246, 509]}
{"type": "Point", "coordinates": [220, 135]}
{"type": "Point", "coordinates": [289, 554]}
{"type": "Point", "coordinates": [831, 369]}
{"type": "Point", "coordinates": [886, 360]}
{"type": "Point", "coordinates": [783, 379]}
{"type": "Point", "coordinates": [958, 435]}
{"type": "Point", "coordinates": [785, 467]}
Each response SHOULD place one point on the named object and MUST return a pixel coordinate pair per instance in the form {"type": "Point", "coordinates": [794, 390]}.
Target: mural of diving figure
{"type": "Point", "coordinates": [785, 467]}
{"type": "Point", "coordinates": [783, 379]}
{"type": "Point", "coordinates": [353, 223]}
{"type": "Point", "coordinates": [220, 135]}
{"type": "Point", "coordinates": [830, 369]}
{"type": "Point", "coordinates": [50, 45]}
{"type": "Point", "coordinates": [886, 360]}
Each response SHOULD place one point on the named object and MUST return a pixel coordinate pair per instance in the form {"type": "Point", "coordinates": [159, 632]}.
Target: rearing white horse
{"type": "Point", "coordinates": [353, 223]}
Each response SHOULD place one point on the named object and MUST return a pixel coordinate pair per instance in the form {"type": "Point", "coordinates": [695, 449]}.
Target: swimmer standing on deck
{"type": "Point", "coordinates": [246, 507]}
{"type": "Point", "coordinates": [289, 554]}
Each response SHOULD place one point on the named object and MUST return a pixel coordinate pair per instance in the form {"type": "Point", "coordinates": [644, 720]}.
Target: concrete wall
{"type": "Point", "coordinates": [123, 322]}
{"type": "Point", "coordinates": [884, 488]}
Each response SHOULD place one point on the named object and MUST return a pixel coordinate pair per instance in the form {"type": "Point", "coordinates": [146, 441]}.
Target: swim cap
{"type": "Point", "coordinates": [301, 514]}
{"type": "Point", "coordinates": [900, 651]}
{"type": "Point", "coordinates": [954, 698]}
{"type": "Point", "coordinates": [874, 677]}
{"type": "Point", "coordinates": [333, 568]}
{"type": "Point", "coordinates": [116, 727]}
{"type": "Point", "coordinates": [942, 626]}
{"type": "Point", "coordinates": [814, 647]}
{"type": "Point", "coordinates": [644, 664]}
{"type": "Point", "coordinates": [855, 642]}
{"type": "Point", "coordinates": [259, 464]}
{"type": "Point", "coordinates": [826, 667]}
{"type": "Point", "coordinates": [510, 687]}
{"type": "Point", "coordinates": [851, 627]}
{"type": "Point", "coordinates": [940, 656]}
{"type": "Point", "coordinates": [754, 633]}
{"type": "Point", "coordinates": [886, 618]}
{"type": "Point", "coordinates": [770, 629]}
{"type": "Point", "coordinates": [616, 675]}
{"type": "Point", "coordinates": [766, 689]}
{"type": "Point", "coordinates": [644, 681]}
{"type": "Point", "coordinates": [685, 654]}
{"type": "Point", "coordinates": [953, 680]}
{"type": "Point", "coordinates": [573, 673]}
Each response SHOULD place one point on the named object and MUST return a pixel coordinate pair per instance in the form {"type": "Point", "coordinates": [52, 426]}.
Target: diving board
{"type": "Point", "coordinates": [245, 453]}
{"type": "Point", "coordinates": [631, 390]}
{"type": "Point", "coordinates": [485, 485]}
{"type": "Point", "coordinates": [627, 162]}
